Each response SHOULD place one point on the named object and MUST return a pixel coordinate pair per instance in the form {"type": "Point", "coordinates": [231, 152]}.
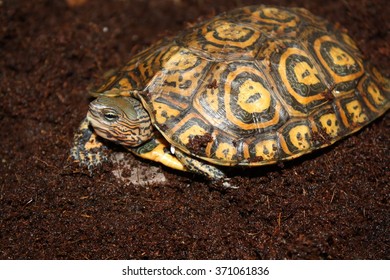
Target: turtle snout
{"type": "Point", "coordinates": [94, 106]}
{"type": "Point", "coordinates": [93, 112]}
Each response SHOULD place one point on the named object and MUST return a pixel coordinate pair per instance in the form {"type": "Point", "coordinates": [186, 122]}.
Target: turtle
{"type": "Point", "coordinates": [250, 87]}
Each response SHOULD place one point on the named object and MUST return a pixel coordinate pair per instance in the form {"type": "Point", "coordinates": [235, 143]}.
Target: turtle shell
{"type": "Point", "coordinates": [255, 86]}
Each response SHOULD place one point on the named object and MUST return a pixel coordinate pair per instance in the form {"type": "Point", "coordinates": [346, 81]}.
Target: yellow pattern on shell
{"type": "Point", "coordinates": [225, 151]}
{"type": "Point", "coordinates": [256, 91]}
{"type": "Point", "coordinates": [257, 84]}
{"type": "Point", "coordinates": [355, 110]}
{"type": "Point", "coordinates": [330, 124]}
{"type": "Point", "coordinates": [306, 74]}
{"type": "Point", "coordinates": [375, 94]}
{"type": "Point", "coordinates": [340, 57]}
{"type": "Point", "coordinates": [337, 78]}
{"type": "Point", "coordinates": [298, 137]}
{"type": "Point", "coordinates": [266, 149]}
{"type": "Point", "coordinates": [164, 112]}
{"type": "Point", "coordinates": [190, 133]}
{"type": "Point", "coordinates": [299, 69]}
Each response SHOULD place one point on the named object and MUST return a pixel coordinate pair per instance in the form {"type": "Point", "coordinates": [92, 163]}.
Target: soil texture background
{"type": "Point", "coordinates": [332, 204]}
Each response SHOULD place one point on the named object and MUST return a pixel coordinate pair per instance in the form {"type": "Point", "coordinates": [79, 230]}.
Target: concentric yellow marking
{"type": "Point", "coordinates": [266, 149]}
{"type": "Point", "coordinates": [226, 31]}
{"type": "Point", "coordinates": [181, 61]}
{"type": "Point", "coordinates": [294, 140]}
{"type": "Point", "coordinates": [163, 54]}
{"type": "Point", "coordinates": [274, 16]}
{"type": "Point", "coordinates": [330, 124]}
{"type": "Point", "coordinates": [355, 111]}
{"type": "Point", "coordinates": [253, 97]}
{"type": "Point", "coordinates": [375, 94]}
{"type": "Point", "coordinates": [190, 132]}
{"type": "Point", "coordinates": [177, 75]}
{"type": "Point", "coordinates": [264, 94]}
{"type": "Point", "coordinates": [221, 39]}
{"type": "Point", "coordinates": [304, 74]}
{"type": "Point", "coordinates": [229, 35]}
{"type": "Point", "coordinates": [339, 57]}
{"type": "Point", "coordinates": [225, 151]}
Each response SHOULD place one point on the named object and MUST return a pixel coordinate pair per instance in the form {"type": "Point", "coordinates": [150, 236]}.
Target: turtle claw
{"type": "Point", "coordinates": [227, 184]}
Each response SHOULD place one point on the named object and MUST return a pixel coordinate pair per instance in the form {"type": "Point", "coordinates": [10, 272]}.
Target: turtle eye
{"type": "Point", "coordinates": [110, 116]}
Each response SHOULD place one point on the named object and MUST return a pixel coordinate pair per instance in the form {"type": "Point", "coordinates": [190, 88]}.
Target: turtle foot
{"type": "Point", "coordinates": [88, 151]}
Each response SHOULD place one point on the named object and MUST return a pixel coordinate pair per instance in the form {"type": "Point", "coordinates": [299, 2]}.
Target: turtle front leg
{"type": "Point", "coordinates": [87, 149]}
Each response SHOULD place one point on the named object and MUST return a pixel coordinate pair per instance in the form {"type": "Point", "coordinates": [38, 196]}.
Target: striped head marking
{"type": "Point", "coordinates": [122, 120]}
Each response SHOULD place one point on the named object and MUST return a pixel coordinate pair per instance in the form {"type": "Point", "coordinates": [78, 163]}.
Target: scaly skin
{"type": "Point", "coordinates": [87, 149]}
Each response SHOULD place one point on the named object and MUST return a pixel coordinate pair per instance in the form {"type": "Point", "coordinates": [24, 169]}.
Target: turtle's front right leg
{"type": "Point", "coordinates": [87, 149]}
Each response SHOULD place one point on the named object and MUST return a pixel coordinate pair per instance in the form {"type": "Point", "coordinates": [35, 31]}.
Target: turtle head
{"type": "Point", "coordinates": [122, 120]}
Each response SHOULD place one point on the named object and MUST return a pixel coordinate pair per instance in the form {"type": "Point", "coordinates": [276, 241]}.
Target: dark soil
{"type": "Point", "coordinates": [333, 204]}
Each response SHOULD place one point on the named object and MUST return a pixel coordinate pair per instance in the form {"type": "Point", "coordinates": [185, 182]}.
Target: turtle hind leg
{"type": "Point", "coordinates": [157, 149]}
{"type": "Point", "coordinates": [200, 167]}
{"type": "Point", "coordinates": [87, 149]}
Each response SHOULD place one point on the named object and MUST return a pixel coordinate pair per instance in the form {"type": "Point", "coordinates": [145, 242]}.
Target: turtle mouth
{"type": "Point", "coordinates": [99, 126]}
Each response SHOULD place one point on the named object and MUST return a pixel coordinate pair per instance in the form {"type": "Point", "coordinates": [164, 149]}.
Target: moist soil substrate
{"type": "Point", "coordinates": [331, 204]}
